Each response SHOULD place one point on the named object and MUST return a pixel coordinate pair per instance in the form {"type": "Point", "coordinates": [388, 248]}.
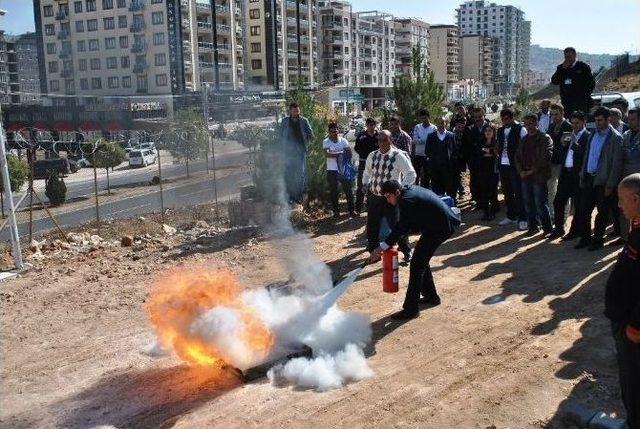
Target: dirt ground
{"type": "Point", "coordinates": [519, 333]}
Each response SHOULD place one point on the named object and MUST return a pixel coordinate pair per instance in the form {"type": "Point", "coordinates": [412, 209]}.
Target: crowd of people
{"type": "Point", "coordinates": [545, 165]}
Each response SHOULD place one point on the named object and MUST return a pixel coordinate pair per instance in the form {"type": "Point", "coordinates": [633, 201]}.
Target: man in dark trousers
{"type": "Point", "coordinates": [472, 142]}
{"type": "Point", "coordinates": [366, 142]}
{"type": "Point", "coordinates": [572, 148]}
{"type": "Point", "coordinates": [558, 128]}
{"type": "Point", "coordinates": [443, 159]}
{"type": "Point", "coordinates": [622, 302]}
{"type": "Point", "coordinates": [421, 211]}
{"type": "Point", "coordinates": [576, 83]}
{"type": "Point", "coordinates": [295, 135]}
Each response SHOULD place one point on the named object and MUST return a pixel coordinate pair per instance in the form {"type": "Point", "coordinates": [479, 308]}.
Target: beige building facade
{"type": "Point", "coordinates": [476, 58]}
{"type": "Point", "coordinates": [410, 33]}
{"type": "Point", "coordinates": [444, 55]}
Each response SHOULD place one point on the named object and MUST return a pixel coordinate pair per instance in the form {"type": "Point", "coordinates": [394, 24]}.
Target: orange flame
{"type": "Point", "coordinates": [179, 298]}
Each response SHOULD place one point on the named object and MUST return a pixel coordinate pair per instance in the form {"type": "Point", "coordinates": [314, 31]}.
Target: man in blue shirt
{"type": "Point", "coordinates": [601, 172]}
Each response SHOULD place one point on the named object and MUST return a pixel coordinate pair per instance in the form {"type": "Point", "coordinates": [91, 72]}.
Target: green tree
{"type": "Point", "coordinates": [107, 155]}
{"type": "Point", "coordinates": [56, 189]}
{"type": "Point", "coordinates": [186, 137]}
{"type": "Point", "coordinates": [524, 105]}
{"type": "Point", "coordinates": [18, 173]}
{"type": "Point", "coordinates": [417, 91]}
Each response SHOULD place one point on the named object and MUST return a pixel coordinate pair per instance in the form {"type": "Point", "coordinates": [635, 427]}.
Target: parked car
{"type": "Point", "coordinates": [43, 168]}
{"type": "Point", "coordinates": [148, 146]}
{"type": "Point", "coordinates": [627, 100]}
{"type": "Point", "coordinates": [141, 158]}
{"type": "Point", "coordinates": [83, 163]}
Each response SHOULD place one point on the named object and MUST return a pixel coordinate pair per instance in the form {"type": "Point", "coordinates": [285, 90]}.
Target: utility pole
{"type": "Point", "coordinates": [298, 40]}
{"type": "Point", "coordinates": [214, 27]}
{"type": "Point", "coordinates": [15, 238]}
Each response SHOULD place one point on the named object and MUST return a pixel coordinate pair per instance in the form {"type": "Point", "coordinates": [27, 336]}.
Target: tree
{"type": "Point", "coordinates": [524, 105]}
{"type": "Point", "coordinates": [107, 155]}
{"type": "Point", "coordinates": [186, 137]}
{"type": "Point", "coordinates": [18, 173]}
{"type": "Point", "coordinates": [56, 189]}
{"type": "Point", "coordinates": [417, 91]}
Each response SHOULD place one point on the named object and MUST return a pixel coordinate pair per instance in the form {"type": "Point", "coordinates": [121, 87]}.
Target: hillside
{"type": "Point", "coordinates": [546, 60]}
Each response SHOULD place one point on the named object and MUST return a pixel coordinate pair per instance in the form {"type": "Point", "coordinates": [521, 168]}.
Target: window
{"type": "Point", "coordinates": [256, 64]}
{"type": "Point", "coordinates": [256, 47]}
{"type": "Point", "coordinates": [84, 83]}
{"type": "Point", "coordinates": [156, 1]}
{"type": "Point", "coordinates": [124, 62]}
{"type": "Point", "coordinates": [95, 63]}
{"type": "Point", "coordinates": [160, 60]}
{"type": "Point", "coordinates": [49, 30]}
{"type": "Point", "coordinates": [109, 23]}
{"type": "Point", "coordinates": [112, 62]}
{"type": "Point", "coordinates": [113, 82]}
{"type": "Point", "coordinates": [53, 67]}
{"type": "Point", "coordinates": [51, 48]}
{"type": "Point", "coordinates": [77, 7]}
{"type": "Point", "coordinates": [158, 38]}
{"type": "Point", "coordinates": [110, 43]}
{"type": "Point", "coordinates": [255, 30]}
{"type": "Point", "coordinates": [80, 26]}
{"type": "Point", "coordinates": [122, 3]}
{"type": "Point", "coordinates": [82, 46]}
{"type": "Point", "coordinates": [124, 42]}
{"type": "Point", "coordinates": [92, 25]}
{"type": "Point", "coordinates": [96, 83]}
{"type": "Point", "coordinates": [94, 45]}
{"type": "Point", "coordinates": [82, 64]}
{"type": "Point", "coordinates": [142, 83]}
{"type": "Point", "coordinates": [91, 5]}
{"type": "Point", "coordinates": [54, 85]}
{"type": "Point", "coordinates": [254, 13]}
{"type": "Point", "coordinates": [157, 18]}
{"type": "Point", "coordinates": [122, 21]}
{"type": "Point", "coordinates": [161, 80]}
{"type": "Point", "coordinates": [126, 81]}
{"type": "Point", "coordinates": [107, 4]}
{"type": "Point", "coordinates": [47, 11]}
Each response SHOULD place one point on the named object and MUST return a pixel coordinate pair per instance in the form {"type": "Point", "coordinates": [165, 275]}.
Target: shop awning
{"type": "Point", "coordinates": [88, 126]}
{"type": "Point", "coordinates": [63, 126]}
{"type": "Point", "coordinates": [15, 126]}
{"type": "Point", "coordinates": [113, 126]}
{"type": "Point", "coordinates": [41, 126]}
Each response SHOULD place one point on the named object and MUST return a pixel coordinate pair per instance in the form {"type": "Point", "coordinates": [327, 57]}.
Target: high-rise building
{"type": "Point", "coordinates": [444, 53]}
{"type": "Point", "coordinates": [198, 48]}
{"type": "Point", "coordinates": [261, 48]}
{"type": "Point", "coordinates": [476, 58]}
{"type": "Point", "coordinates": [507, 25]}
{"type": "Point", "coordinates": [9, 85]}
{"type": "Point", "coordinates": [358, 54]}
{"type": "Point", "coordinates": [19, 79]}
{"type": "Point", "coordinates": [410, 33]}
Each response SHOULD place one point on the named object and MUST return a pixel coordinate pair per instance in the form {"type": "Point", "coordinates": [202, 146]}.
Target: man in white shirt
{"type": "Point", "coordinates": [335, 147]}
{"type": "Point", "coordinates": [419, 157]}
{"type": "Point", "coordinates": [386, 163]}
{"type": "Point", "coordinates": [544, 115]}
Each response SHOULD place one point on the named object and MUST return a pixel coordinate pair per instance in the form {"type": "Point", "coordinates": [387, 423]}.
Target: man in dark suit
{"type": "Point", "coordinates": [558, 127]}
{"type": "Point", "coordinates": [576, 83]}
{"type": "Point", "coordinates": [473, 140]}
{"type": "Point", "coordinates": [421, 211]}
{"type": "Point", "coordinates": [441, 150]}
{"type": "Point", "coordinates": [571, 154]}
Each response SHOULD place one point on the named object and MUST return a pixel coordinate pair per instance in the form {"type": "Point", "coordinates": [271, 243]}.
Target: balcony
{"type": "Point", "coordinates": [63, 35]}
{"type": "Point", "coordinates": [222, 28]}
{"type": "Point", "coordinates": [138, 27]}
{"type": "Point", "coordinates": [64, 54]}
{"type": "Point", "coordinates": [140, 67]}
{"type": "Point", "coordinates": [205, 46]}
{"type": "Point", "coordinates": [62, 16]}
{"type": "Point", "coordinates": [221, 9]}
{"type": "Point", "coordinates": [139, 47]}
{"type": "Point", "coordinates": [136, 5]}
{"type": "Point", "coordinates": [66, 74]}
{"type": "Point", "coordinates": [204, 25]}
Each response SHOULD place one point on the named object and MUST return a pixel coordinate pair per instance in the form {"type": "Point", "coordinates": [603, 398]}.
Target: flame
{"type": "Point", "coordinates": [179, 298]}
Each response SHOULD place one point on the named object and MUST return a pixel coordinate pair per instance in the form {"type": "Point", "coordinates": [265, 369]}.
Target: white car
{"type": "Point", "coordinates": [148, 146]}
{"type": "Point", "coordinates": [141, 158]}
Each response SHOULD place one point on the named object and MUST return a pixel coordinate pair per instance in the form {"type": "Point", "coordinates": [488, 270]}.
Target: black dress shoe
{"type": "Point", "coordinates": [531, 232]}
{"type": "Point", "coordinates": [596, 245]}
{"type": "Point", "coordinates": [582, 244]}
{"type": "Point", "coordinates": [405, 315]}
{"type": "Point", "coordinates": [556, 234]}
{"type": "Point", "coordinates": [432, 300]}
{"type": "Point", "coordinates": [570, 236]}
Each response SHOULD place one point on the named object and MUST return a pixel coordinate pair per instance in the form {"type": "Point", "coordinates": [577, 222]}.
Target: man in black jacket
{"type": "Point", "coordinates": [509, 137]}
{"type": "Point", "coordinates": [576, 83]}
{"type": "Point", "coordinates": [421, 211]}
{"type": "Point", "coordinates": [558, 127]}
{"type": "Point", "coordinates": [622, 302]}
{"type": "Point", "coordinates": [473, 140]}
{"type": "Point", "coordinates": [442, 153]}
{"type": "Point", "coordinates": [571, 148]}
{"type": "Point", "coordinates": [366, 142]}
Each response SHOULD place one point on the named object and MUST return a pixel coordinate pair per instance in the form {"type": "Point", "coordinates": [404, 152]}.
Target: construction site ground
{"type": "Point", "coordinates": [520, 333]}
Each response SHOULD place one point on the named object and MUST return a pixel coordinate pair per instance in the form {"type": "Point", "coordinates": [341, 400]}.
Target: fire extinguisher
{"type": "Point", "coordinates": [390, 270]}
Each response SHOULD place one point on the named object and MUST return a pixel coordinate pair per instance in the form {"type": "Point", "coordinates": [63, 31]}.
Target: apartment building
{"type": "Point", "coordinates": [507, 25]}
{"type": "Point", "coordinates": [19, 78]}
{"type": "Point", "coordinates": [410, 33]}
{"type": "Point", "coordinates": [199, 50]}
{"type": "Point", "coordinates": [358, 52]}
{"type": "Point", "coordinates": [110, 47]}
{"type": "Point", "coordinates": [444, 43]}
{"type": "Point", "coordinates": [270, 32]}
{"type": "Point", "coordinates": [476, 58]}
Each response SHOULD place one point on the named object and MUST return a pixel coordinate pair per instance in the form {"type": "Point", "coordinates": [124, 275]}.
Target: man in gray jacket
{"type": "Point", "coordinates": [599, 178]}
{"type": "Point", "coordinates": [630, 158]}
{"type": "Point", "coordinates": [295, 135]}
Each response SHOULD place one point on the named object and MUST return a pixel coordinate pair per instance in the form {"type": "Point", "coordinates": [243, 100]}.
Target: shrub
{"type": "Point", "coordinates": [56, 190]}
{"type": "Point", "coordinates": [18, 173]}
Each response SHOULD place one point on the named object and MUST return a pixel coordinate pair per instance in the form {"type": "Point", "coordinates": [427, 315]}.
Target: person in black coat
{"type": "Point", "coordinates": [510, 135]}
{"type": "Point", "coordinates": [576, 83]}
{"type": "Point", "coordinates": [472, 141]}
{"type": "Point", "coordinates": [489, 173]}
{"type": "Point", "coordinates": [366, 142]}
{"type": "Point", "coordinates": [441, 149]}
{"type": "Point", "coordinates": [558, 127]}
{"type": "Point", "coordinates": [424, 212]}
{"type": "Point", "coordinates": [571, 150]}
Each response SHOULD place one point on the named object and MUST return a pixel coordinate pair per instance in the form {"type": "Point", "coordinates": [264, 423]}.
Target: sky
{"type": "Point", "coordinates": [593, 26]}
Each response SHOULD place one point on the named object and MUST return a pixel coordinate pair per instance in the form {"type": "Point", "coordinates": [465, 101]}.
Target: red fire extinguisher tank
{"type": "Point", "coordinates": [390, 270]}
